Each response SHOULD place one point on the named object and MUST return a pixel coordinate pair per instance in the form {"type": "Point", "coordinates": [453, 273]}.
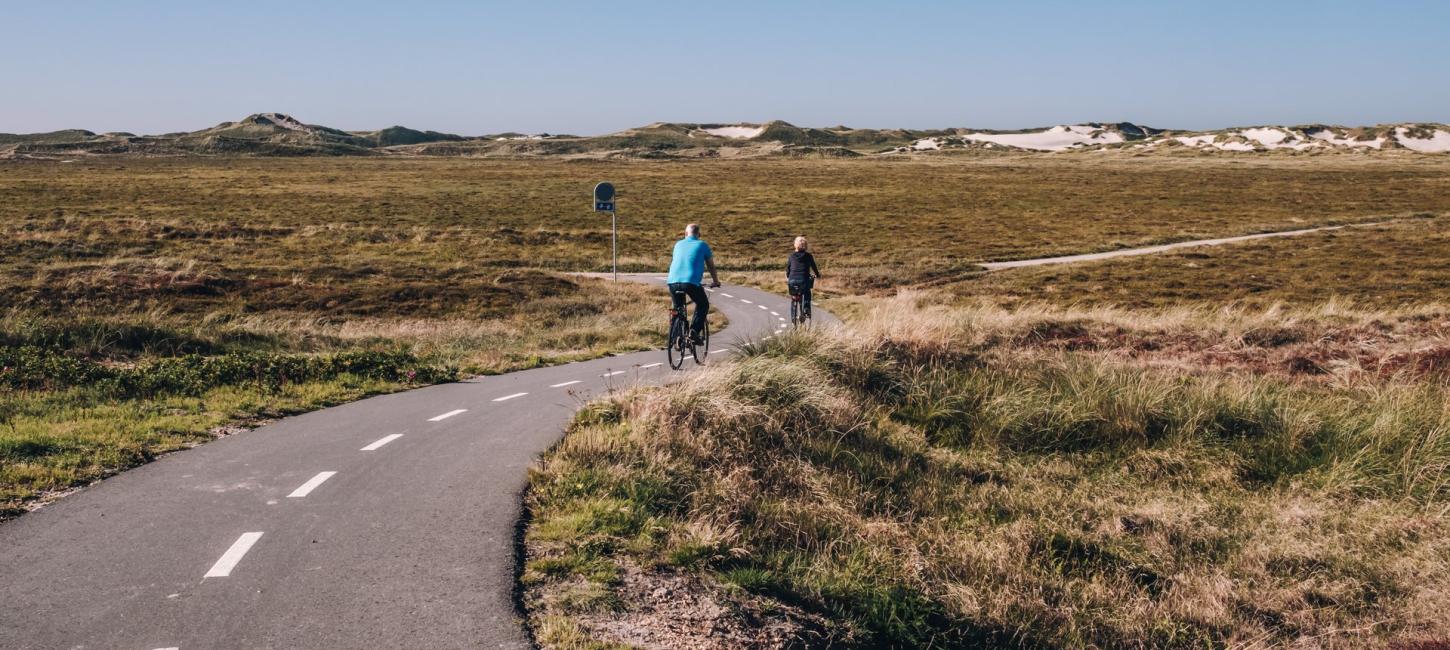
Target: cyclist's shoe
{"type": "Point", "coordinates": [697, 339]}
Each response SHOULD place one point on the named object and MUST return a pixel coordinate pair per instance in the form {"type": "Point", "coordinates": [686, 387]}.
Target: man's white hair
{"type": "Point", "coordinates": [692, 230]}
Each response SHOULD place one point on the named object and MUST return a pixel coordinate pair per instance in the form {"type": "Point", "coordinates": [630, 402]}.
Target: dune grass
{"type": "Point", "coordinates": [939, 478]}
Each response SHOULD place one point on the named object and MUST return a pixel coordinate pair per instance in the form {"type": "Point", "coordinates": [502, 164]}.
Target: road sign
{"type": "Point", "coordinates": [604, 202]}
{"type": "Point", "coordinates": [604, 197]}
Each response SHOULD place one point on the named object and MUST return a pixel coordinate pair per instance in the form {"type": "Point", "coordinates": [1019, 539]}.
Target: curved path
{"type": "Point", "coordinates": [387, 522]}
{"type": "Point", "coordinates": [1149, 250]}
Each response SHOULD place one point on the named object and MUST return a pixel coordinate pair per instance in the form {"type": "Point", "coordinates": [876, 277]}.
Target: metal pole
{"type": "Point", "coordinates": [614, 237]}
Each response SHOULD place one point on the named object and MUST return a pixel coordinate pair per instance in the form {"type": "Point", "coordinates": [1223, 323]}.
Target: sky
{"type": "Point", "coordinates": [595, 67]}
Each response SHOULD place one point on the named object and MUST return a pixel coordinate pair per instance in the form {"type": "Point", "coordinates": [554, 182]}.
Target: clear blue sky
{"type": "Point", "coordinates": [596, 67]}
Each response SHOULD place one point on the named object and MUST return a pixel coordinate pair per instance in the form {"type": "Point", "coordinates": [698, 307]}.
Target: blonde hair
{"type": "Point", "coordinates": [800, 243]}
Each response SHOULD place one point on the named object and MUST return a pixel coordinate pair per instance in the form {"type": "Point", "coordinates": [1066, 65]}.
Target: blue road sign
{"type": "Point", "coordinates": [604, 197]}
{"type": "Point", "coordinates": [604, 202]}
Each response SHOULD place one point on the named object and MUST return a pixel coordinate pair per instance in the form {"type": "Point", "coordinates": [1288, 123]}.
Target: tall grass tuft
{"type": "Point", "coordinates": [937, 485]}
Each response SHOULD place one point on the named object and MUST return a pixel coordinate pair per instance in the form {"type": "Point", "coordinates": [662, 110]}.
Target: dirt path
{"type": "Point", "coordinates": [1149, 250]}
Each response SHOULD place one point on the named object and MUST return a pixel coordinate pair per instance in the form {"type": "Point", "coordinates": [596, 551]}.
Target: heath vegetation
{"type": "Point", "coordinates": [1230, 446]}
{"type": "Point", "coordinates": [969, 477]}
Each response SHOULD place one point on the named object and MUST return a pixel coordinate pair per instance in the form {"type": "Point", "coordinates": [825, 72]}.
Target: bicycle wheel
{"type": "Point", "coordinates": [795, 311]}
{"type": "Point", "coordinates": [703, 349]}
{"type": "Point", "coordinates": [679, 339]}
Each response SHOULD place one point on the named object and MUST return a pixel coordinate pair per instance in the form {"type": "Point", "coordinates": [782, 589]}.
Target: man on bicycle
{"type": "Point", "coordinates": [799, 266]}
{"type": "Point", "coordinates": [691, 258]}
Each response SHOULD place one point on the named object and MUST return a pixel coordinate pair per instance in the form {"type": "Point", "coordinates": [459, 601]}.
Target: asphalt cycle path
{"type": "Point", "coordinates": [386, 522]}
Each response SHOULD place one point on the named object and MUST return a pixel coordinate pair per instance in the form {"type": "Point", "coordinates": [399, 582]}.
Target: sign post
{"type": "Point", "coordinates": [604, 202]}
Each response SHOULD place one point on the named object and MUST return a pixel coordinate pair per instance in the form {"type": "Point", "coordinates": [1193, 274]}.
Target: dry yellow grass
{"type": "Point", "coordinates": [1387, 267]}
{"type": "Point", "coordinates": [940, 477]}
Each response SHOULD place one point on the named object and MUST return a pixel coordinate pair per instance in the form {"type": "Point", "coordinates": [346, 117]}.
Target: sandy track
{"type": "Point", "coordinates": [1149, 250]}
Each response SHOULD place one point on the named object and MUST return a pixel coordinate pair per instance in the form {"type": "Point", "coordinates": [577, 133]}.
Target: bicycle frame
{"type": "Point", "coordinates": [684, 343]}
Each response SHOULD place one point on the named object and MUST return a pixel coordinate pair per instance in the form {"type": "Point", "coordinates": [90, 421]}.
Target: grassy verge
{"type": "Point", "coordinates": [57, 440]}
{"type": "Point", "coordinates": [85, 395]}
{"type": "Point", "coordinates": [957, 478]}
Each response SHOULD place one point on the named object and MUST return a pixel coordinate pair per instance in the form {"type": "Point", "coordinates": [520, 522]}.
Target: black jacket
{"type": "Point", "coordinates": [799, 267]}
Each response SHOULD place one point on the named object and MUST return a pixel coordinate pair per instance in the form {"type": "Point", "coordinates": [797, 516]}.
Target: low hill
{"type": "Point", "coordinates": [273, 133]}
{"type": "Point", "coordinates": [278, 134]}
{"type": "Point", "coordinates": [68, 135]}
{"type": "Point", "coordinates": [264, 134]}
{"type": "Point", "coordinates": [1416, 137]}
{"type": "Point", "coordinates": [395, 135]}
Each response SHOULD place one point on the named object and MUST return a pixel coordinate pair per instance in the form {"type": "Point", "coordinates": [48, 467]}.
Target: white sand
{"type": "Point", "coordinates": [1197, 140]}
{"type": "Point", "coordinates": [740, 131]}
{"type": "Point", "coordinates": [285, 121]}
{"type": "Point", "coordinates": [1437, 143]}
{"type": "Point", "coordinates": [1265, 136]}
{"type": "Point", "coordinates": [1329, 136]}
{"type": "Point", "coordinates": [1056, 138]}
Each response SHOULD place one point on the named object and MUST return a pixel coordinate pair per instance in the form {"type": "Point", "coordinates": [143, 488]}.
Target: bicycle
{"type": "Point", "coordinates": [680, 342]}
{"type": "Point", "coordinates": [800, 314]}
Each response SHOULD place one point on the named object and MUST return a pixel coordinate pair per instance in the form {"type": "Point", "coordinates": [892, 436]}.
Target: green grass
{"type": "Point", "coordinates": [54, 440]}
{"type": "Point", "coordinates": [938, 484]}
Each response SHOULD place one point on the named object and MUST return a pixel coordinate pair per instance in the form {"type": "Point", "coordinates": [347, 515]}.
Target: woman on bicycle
{"type": "Point", "coordinates": [799, 267]}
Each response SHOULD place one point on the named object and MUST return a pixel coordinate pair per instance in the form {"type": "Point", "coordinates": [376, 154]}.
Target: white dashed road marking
{"type": "Point", "coordinates": [505, 398]}
{"type": "Point", "coordinates": [567, 383]}
{"type": "Point", "coordinates": [763, 307]}
{"type": "Point", "coordinates": [774, 313]}
{"type": "Point", "coordinates": [746, 301]}
{"type": "Point", "coordinates": [381, 441]}
{"type": "Point", "coordinates": [447, 415]}
{"type": "Point", "coordinates": [726, 294]}
{"type": "Point", "coordinates": [650, 365]}
{"type": "Point", "coordinates": [311, 484]}
{"type": "Point", "coordinates": [612, 373]}
{"type": "Point", "coordinates": [229, 559]}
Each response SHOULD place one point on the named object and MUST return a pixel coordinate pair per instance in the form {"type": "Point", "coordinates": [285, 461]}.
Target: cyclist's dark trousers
{"type": "Point", "coordinates": [702, 303]}
{"type": "Point", "coordinates": [804, 289]}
